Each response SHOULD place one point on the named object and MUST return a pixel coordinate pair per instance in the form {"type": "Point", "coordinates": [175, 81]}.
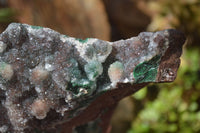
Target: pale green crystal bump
{"type": "Point", "coordinates": [78, 79]}
{"type": "Point", "coordinates": [94, 49]}
{"type": "Point", "coordinates": [93, 69]}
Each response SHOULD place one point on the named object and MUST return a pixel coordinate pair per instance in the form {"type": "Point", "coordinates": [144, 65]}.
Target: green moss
{"type": "Point", "coordinates": [146, 71]}
{"type": "Point", "coordinates": [7, 15]}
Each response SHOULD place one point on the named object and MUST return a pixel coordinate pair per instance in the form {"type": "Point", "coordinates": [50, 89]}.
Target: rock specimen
{"type": "Point", "coordinates": [50, 81]}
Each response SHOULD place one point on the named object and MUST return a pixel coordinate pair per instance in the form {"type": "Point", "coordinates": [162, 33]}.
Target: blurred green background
{"type": "Point", "coordinates": [157, 108]}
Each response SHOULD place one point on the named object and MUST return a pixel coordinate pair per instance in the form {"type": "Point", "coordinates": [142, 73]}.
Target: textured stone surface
{"type": "Point", "coordinates": [50, 81]}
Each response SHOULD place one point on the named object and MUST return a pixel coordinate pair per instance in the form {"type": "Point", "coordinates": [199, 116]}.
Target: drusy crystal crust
{"type": "Point", "coordinates": [47, 79]}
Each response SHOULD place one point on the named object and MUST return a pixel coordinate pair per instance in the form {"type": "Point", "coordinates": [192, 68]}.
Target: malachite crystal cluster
{"type": "Point", "coordinates": [47, 79]}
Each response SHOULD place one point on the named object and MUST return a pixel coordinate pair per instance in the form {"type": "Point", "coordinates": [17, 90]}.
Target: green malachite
{"type": "Point", "coordinates": [147, 71]}
{"type": "Point", "coordinates": [85, 83]}
{"type": "Point", "coordinates": [36, 27]}
{"type": "Point", "coordinates": [78, 79]}
{"type": "Point", "coordinates": [82, 41]}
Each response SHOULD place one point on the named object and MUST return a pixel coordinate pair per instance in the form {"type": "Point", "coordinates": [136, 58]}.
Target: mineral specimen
{"type": "Point", "coordinates": [48, 80]}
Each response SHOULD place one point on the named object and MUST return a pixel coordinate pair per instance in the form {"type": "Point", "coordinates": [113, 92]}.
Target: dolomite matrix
{"type": "Point", "coordinates": [50, 82]}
